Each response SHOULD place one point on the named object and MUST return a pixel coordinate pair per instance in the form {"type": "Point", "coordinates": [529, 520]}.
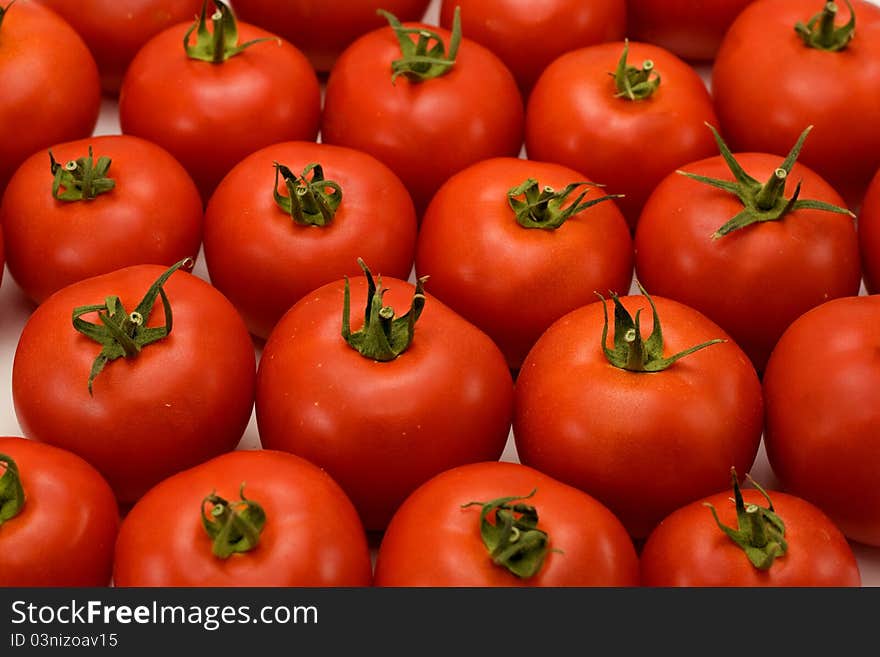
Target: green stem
{"type": "Point", "coordinates": [768, 196]}
{"type": "Point", "coordinates": [426, 58]}
{"type": "Point", "coordinates": [234, 527]}
{"type": "Point", "coordinates": [309, 202]}
{"type": "Point", "coordinates": [83, 179]}
{"type": "Point", "coordinates": [11, 491]}
{"type": "Point", "coordinates": [820, 31]}
{"type": "Point", "coordinates": [635, 83]}
{"type": "Point", "coordinates": [544, 207]}
{"type": "Point", "coordinates": [221, 43]}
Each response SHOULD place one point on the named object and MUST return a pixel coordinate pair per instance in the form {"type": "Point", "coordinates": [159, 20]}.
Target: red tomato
{"type": "Point", "coordinates": [58, 518]}
{"type": "Point", "coordinates": [215, 114]}
{"type": "Point", "coordinates": [143, 209]}
{"type": "Point", "coordinates": [514, 279]}
{"type": "Point", "coordinates": [643, 443]}
{"type": "Point", "coordinates": [822, 387]}
{"type": "Point", "coordinates": [425, 130]}
{"type": "Point", "coordinates": [176, 403]}
{"type": "Point", "coordinates": [689, 549]}
{"type": "Point", "coordinates": [40, 51]}
{"type": "Point", "coordinates": [869, 236]}
{"type": "Point", "coordinates": [264, 261]}
{"type": "Point", "coordinates": [382, 427]}
{"type": "Point", "coordinates": [576, 116]}
{"type": "Point", "coordinates": [573, 541]}
{"type": "Point", "coordinates": [834, 91]}
{"type": "Point", "coordinates": [274, 520]}
{"type": "Point", "coordinates": [527, 36]}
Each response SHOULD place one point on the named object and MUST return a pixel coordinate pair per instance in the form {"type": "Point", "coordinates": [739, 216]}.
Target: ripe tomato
{"type": "Point", "coordinates": [834, 90]}
{"type": "Point", "coordinates": [869, 236]}
{"type": "Point", "coordinates": [217, 113]}
{"type": "Point", "coordinates": [418, 402]}
{"type": "Point", "coordinates": [514, 272]}
{"type": "Point", "coordinates": [39, 51]}
{"type": "Point", "coordinates": [247, 518]}
{"type": "Point", "coordinates": [264, 259]}
{"type": "Point", "coordinates": [126, 201]}
{"type": "Point", "coordinates": [527, 37]}
{"type": "Point", "coordinates": [822, 387]}
{"type": "Point", "coordinates": [559, 536]}
{"type": "Point", "coordinates": [775, 540]}
{"type": "Point", "coordinates": [172, 403]}
{"type": "Point", "coordinates": [58, 518]}
{"type": "Point", "coordinates": [627, 130]}
{"type": "Point", "coordinates": [425, 125]}
{"type": "Point", "coordinates": [644, 442]}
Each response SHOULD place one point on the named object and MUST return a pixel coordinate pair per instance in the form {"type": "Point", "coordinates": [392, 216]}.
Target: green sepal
{"type": "Point", "coordinates": [232, 526]}
{"type": "Point", "coordinates": [11, 491]}
{"type": "Point", "coordinates": [821, 33]}
{"type": "Point", "coordinates": [82, 179]}
{"type": "Point", "coordinates": [544, 207]}
{"type": "Point", "coordinates": [426, 58]}
{"type": "Point", "coordinates": [220, 44]}
{"type": "Point", "coordinates": [634, 83]}
{"type": "Point", "coordinates": [308, 201]}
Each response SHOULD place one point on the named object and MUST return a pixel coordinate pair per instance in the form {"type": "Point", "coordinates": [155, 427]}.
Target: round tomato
{"type": "Point", "coordinates": [95, 205]}
{"type": "Point", "coordinates": [819, 77]}
{"type": "Point", "coordinates": [531, 248]}
{"type": "Point", "coordinates": [626, 130]}
{"type": "Point", "coordinates": [758, 538]}
{"type": "Point", "coordinates": [51, 92]}
{"type": "Point", "coordinates": [528, 37]}
{"type": "Point", "coordinates": [822, 388]}
{"type": "Point", "coordinates": [504, 524]}
{"type": "Point", "coordinates": [869, 236]}
{"type": "Point", "coordinates": [424, 124]}
{"type": "Point", "coordinates": [626, 422]}
{"type": "Point", "coordinates": [58, 518]}
{"type": "Point", "coordinates": [247, 518]}
{"type": "Point", "coordinates": [391, 401]}
{"type": "Point", "coordinates": [136, 395]}
{"type": "Point", "coordinates": [270, 239]}
{"type": "Point", "coordinates": [225, 101]}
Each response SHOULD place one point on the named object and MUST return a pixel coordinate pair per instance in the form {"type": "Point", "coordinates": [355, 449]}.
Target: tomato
{"type": "Point", "coordinates": [559, 536]}
{"type": "Point", "coordinates": [753, 279]}
{"type": "Point", "coordinates": [324, 28]}
{"type": "Point", "coordinates": [810, 85]}
{"type": "Point", "coordinates": [627, 130]}
{"type": "Point", "coordinates": [425, 125]}
{"type": "Point", "coordinates": [869, 236]}
{"type": "Point", "coordinates": [58, 518]}
{"type": "Point", "coordinates": [527, 37]}
{"type": "Point", "coordinates": [264, 259]}
{"type": "Point", "coordinates": [775, 539]}
{"type": "Point", "coordinates": [641, 434]}
{"type": "Point", "coordinates": [384, 406]}
{"type": "Point", "coordinates": [513, 273]}
{"type": "Point", "coordinates": [183, 395]}
{"type": "Point", "coordinates": [126, 202]}
{"type": "Point", "coordinates": [51, 92]}
{"type": "Point", "coordinates": [823, 414]}
{"type": "Point", "coordinates": [247, 518]}
{"type": "Point", "coordinates": [217, 113]}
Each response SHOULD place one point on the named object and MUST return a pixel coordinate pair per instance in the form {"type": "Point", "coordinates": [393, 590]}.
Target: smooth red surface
{"type": "Point", "coordinates": [869, 236]}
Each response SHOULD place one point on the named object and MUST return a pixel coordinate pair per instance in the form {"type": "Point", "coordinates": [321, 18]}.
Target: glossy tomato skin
{"type": "Point", "coordinates": [869, 236]}
{"type": "Point", "coordinates": [181, 401]}
{"type": "Point", "coordinates": [65, 532]}
{"type": "Point", "coordinates": [574, 118]}
{"type": "Point", "coordinates": [643, 444]}
{"type": "Point", "coordinates": [687, 549]}
{"type": "Point", "coordinates": [755, 281]}
{"type": "Point", "coordinates": [264, 262]}
{"type": "Point", "coordinates": [38, 51]}
{"type": "Point", "coordinates": [152, 216]}
{"type": "Point", "coordinates": [835, 92]}
{"type": "Point", "coordinates": [312, 535]}
{"type": "Point", "coordinates": [511, 281]}
{"type": "Point", "coordinates": [823, 414]}
{"type": "Point", "coordinates": [528, 36]}
{"type": "Point", "coordinates": [589, 545]}
{"type": "Point", "coordinates": [381, 428]}
{"type": "Point", "coordinates": [214, 115]}
{"type": "Point", "coordinates": [424, 131]}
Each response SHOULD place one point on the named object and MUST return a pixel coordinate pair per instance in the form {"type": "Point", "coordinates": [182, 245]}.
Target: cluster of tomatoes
{"type": "Point", "coordinates": [384, 405]}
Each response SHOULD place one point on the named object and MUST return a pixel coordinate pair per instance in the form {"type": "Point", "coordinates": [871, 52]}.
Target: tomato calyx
{"type": "Point", "coordinates": [760, 532]}
{"type": "Point", "coordinates": [308, 201]}
{"type": "Point", "coordinates": [220, 44]}
{"type": "Point", "coordinates": [425, 58]}
{"type": "Point", "coordinates": [3, 11]}
{"type": "Point", "coordinates": [821, 33]}
{"type": "Point", "coordinates": [11, 491]}
{"type": "Point", "coordinates": [543, 206]}
{"type": "Point", "coordinates": [232, 526]}
{"type": "Point", "coordinates": [83, 179]}
{"type": "Point", "coordinates": [762, 202]}
{"type": "Point", "coordinates": [634, 83]}
{"type": "Point", "coordinates": [121, 333]}
{"type": "Point", "coordinates": [382, 337]}
{"type": "Point", "coordinates": [633, 353]}
{"type": "Point", "coordinates": [513, 538]}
